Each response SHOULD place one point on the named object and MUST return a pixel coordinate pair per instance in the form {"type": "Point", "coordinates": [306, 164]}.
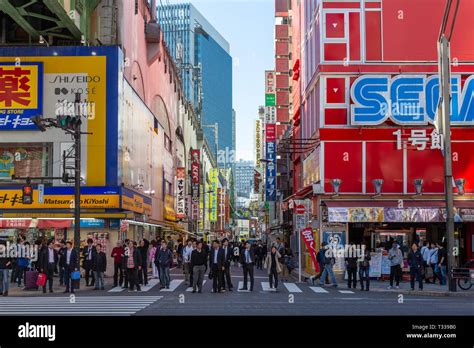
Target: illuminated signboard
{"type": "Point", "coordinates": [408, 100]}
{"type": "Point", "coordinates": [21, 94]}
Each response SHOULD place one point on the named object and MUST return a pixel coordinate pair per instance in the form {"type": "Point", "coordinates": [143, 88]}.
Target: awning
{"type": "Point", "coordinates": [305, 192]}
{"type": "Point", "coordinates": [54, 223]}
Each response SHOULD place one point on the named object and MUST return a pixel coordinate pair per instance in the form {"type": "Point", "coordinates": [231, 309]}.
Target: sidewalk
{"type": "Point", "coordinates": [381, 286]}
{"type": "Point", "coordinates": [14, 290]}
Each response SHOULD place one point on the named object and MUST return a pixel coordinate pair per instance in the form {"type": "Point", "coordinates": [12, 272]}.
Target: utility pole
{"type": "Point", "coordinates": [71, 125]}
{"type": "Point", "coordinates": [444, 128]}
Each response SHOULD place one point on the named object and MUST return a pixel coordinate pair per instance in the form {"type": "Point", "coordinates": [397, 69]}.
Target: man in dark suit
{"type": "Point", "coordinates": [216, 266]}
{"type": "Point", "coordinates": [247, 259]}
{"type": "Point", "coordinates": [89, 253]}
{"type": "Point", "coordinates": [132, 263]}
{"type": "Point", "coordinates": [71, 264]}
{"type": "Point", "coordinates": [228, 254]}
{"type": "Point", "coordinates": [49, 261]}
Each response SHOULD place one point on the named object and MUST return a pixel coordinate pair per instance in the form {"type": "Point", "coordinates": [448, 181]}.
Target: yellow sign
{"type": "Point", "coordinates": [213, 176]}
{"type": "Point", "coordinates": [136, 204]}
{"type": "Point", "coordinates": [258, 141]}
{"type": "Point", "coordinates": [19, 86]}
{"type": "Point", "coordinates": [69, 72]}
{"type": "Point", "coordinates": [169, 214]}
{"type": "Point", "coordinates": [12, 199]}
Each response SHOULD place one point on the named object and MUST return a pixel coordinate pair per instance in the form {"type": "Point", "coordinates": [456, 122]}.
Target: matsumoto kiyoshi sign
{"type": "Point", "coordinates": [408, 100]}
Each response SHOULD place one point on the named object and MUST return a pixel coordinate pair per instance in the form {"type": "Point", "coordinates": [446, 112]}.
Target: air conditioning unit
{"type": "Point", "coordinates": [152, 32]}
{"type": "Point", "coordinates": [317, 188]}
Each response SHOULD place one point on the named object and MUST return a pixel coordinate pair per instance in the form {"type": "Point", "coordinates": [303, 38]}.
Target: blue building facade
{"type": "Point", "coordinates": [203, 56]}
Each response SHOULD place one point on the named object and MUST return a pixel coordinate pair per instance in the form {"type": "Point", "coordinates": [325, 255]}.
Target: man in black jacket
{"type": "Point", "coordinates": [88, 254]}
{"type": "Point", "coordinates": [5, 266]}
{"type": "Point", "coordinates": [99, 266]}
{"type": "Point", "coordinates": [351, 266]}
{"type": "Point", "coordinates": [247, 259]}
{"type": "Point", "coordinates": [216, 266]}
{"type": "Point", "coordinates": [62, 263]}
{"type": "Point", "coordinates": [71, 264]}
{"type": "Point", "coordinates": [228, 254]}
{"type": "Point", "coordinates": [132, 262]}
{"type": "Point", "coordinates": [49, 260]}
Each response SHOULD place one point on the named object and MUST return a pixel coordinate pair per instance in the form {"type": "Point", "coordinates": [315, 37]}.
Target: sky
{"type": "Point", "coordinates": [248, 26]}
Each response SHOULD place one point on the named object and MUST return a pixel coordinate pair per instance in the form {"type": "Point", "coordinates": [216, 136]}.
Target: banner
{"type": "Point", "coordinates": [258, 143]}
{"type": "Point", "coordinates": [180, 202]}
{"type": "Point", "coordinates": [270, 91]}
{"type": "Point", "coordinates": [214, 176]}
{"type": "Point", "coordinates": [308, 237]}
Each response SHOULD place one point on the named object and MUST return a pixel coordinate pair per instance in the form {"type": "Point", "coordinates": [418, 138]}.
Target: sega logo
{"type": "Point", "coordinates": [408, 100]}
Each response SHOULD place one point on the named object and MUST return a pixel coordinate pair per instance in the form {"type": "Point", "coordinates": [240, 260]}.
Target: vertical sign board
{"type": "Point", "coordinates": [270, 173]}
{"type": "Point", "coordinates": [258, 142]}
{"type": "Point", "coordinates": [270, 88]}
{"type": "Point", "coordinates": [195, 179]}
{"type": "Point", "coordinates": [214, 176]}
{"type": "Point", "coordinates": [41, 193]}
{"type": "Point", "coordinates": [180, 199]}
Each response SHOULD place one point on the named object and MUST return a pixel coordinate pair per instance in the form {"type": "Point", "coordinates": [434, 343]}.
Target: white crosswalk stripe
{"type": "Point", "coordinates": [241, 285]}
{"type": "Point", "coordinates": [82, 305]}
{"type": "Point", "coordinates": [292, 287]}
{"type": "Point", "coordinates": [173, 285]}
{"type": "Point", "coordinates": [318, 290]}
{"type": "Point", "coordinates": [151, 283]}
{"type": "Point", "coordinates": [266, 287]}
{"type": "Point", "coordinates": [346, 291]}
{"type": "Point", "coordinates": [191, 288]}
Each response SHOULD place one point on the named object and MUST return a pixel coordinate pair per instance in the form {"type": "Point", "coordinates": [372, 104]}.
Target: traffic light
{"type": "Point", "coordinates": [65, 177]}
{"type": "Point", "coordinates": [69, 122]}
{"type": "Point", "coordinates": [38, 121]}
{"type": "Point", "coordinates": [27, 194]}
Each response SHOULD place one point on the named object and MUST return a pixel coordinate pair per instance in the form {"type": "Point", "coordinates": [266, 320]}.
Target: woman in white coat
{"type": "Point", "coordinates": [272, 266]}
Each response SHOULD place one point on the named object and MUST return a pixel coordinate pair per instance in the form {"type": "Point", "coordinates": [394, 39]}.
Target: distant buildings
{"type": "Point", "coordinates": [244, 171]}
{"type": "Point", "coordinates": [203, 56]}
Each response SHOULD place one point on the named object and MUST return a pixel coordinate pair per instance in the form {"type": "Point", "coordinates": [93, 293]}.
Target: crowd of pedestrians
{"type": "Point", "coordinates": [426, 262]}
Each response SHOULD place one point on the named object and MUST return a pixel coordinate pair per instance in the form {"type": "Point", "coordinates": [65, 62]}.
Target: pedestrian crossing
{"type": "Point", "coordinates": [144, 288]}
{"type": "Point", "coordinates": [178, 285]}
{"type": "Point", "coordinates": [79, 305]}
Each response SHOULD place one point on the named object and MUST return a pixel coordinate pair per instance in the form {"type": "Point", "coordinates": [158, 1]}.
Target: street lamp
{"type": "Point", "coordinates": [460, 185]}
{"type": "Point", "coordinates": [378, 186]}
{"type": "Point", "coordinates": [336, 184]}
{"type": "Point", "coordinates": [418, 186]}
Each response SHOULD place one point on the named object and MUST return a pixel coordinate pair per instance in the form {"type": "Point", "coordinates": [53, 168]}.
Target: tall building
{"type": "Point", "coordinates": [244, 171]}
{"type": "Point", "coordinates": [203, 56]}
{"type": "Point", "coordinates": [360, 164]}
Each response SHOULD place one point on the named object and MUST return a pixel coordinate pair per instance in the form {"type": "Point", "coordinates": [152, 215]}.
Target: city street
{"type": "Point", "coordinates": [291, 299]}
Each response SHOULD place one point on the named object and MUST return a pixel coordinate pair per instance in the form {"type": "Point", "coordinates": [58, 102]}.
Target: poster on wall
{"type": "Point", "coordinates": [334, 234]}
{"type": "Point", "coordinates": [375, 269]}
{"type": "Point", "coordinates": [385, 264]}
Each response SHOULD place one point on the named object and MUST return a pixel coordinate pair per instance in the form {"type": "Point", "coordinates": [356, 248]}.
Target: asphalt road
{"type": "Point", "coordinates": [291, 299]}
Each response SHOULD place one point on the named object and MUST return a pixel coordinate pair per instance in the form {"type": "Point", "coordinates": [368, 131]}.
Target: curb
{"type": "Point", "coordinates": [426, 293]}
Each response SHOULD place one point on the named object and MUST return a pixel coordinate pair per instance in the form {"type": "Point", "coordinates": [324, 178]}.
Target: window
{"type": "Point", "coordinates": [168, 188]}
{"type": "Point", "coordinates": [23, 160]}
{"type": "Point", "coordinates": [167, 143]}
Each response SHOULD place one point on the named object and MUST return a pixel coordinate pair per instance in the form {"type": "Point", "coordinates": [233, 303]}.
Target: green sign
{"type": "Point", "coordinates": [270, 100]}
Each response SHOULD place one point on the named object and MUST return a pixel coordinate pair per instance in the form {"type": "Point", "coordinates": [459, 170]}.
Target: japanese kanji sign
{"type": "Point", "coordinates": [21, 94]}
{"type": "Point", "coordinates": [270, 187]}
{"type": "Point", "coordinates": [180, 199]}
{"type": "Point", "coordinates": [420, 139]}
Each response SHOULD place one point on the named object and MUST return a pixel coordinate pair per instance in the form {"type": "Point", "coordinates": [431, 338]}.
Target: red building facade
{"type": "Point", "coordinates": [357, 57]}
